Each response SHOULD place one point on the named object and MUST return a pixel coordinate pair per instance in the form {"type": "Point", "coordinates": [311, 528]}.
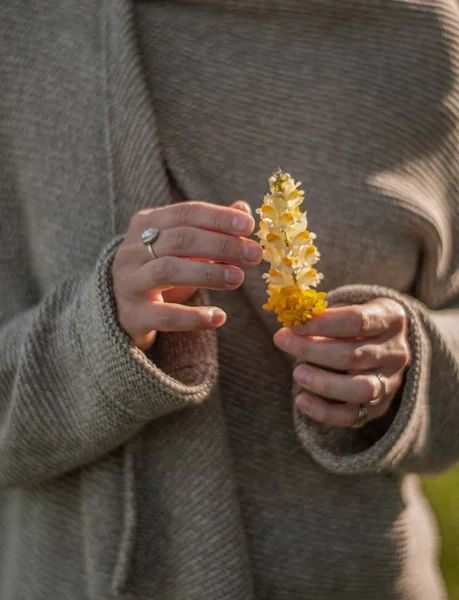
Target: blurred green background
{"type": "Point", "coordinates": [443, 493]}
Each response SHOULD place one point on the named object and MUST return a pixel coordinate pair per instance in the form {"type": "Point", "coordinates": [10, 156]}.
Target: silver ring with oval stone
{"type": "Point", "coordinates": [378, 399]}
{"type": "Point", "coordinates": [148, 237]}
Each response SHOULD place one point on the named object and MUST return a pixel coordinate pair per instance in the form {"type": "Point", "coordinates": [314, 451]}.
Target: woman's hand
{"type": "Point", "coordinates": [358, 341]}
{"type": "Point", "coordinates": [194, 239]}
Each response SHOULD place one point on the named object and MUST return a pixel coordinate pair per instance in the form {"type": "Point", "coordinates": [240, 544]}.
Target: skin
{"type": "Point", "coordinates": [356, 341]}
{"type": "Point", "coordinates": [200, 245]}
{"type": "Point", "coordinates": [203, 245]}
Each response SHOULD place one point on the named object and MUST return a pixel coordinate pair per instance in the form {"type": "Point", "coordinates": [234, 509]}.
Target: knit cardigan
{"type": "Point", "coordinates": [184, 473]}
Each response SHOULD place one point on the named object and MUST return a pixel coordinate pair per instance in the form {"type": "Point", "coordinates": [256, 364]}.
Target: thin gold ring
{"type": "Point", "coordinates": [382, 380]}
{"type": "Point", "coordinates": [362, 417]}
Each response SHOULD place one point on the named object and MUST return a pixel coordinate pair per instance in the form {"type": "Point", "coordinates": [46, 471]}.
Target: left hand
{"type": "Point", "coordinates": [357, 340]}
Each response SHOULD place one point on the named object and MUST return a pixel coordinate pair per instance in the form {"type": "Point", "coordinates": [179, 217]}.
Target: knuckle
{"type": "Point", "coordinates": [399, 316]}
{"type": "Point", "coordinates": [395, 314]}
{"type": "Point", "coordinates": [138, 221]}
{"type": "Point", "coordinates": [364, 322]}
{"type": "Point", "coordinates": [398, 352]}
{"type": "Point", "coordinates": [399, 322]}
{"type": "Point", "coordinates": [219, 220]}
{"type": "Point", "coordinates": [403, 357]}
{"type": "Point", "coordinates": [185, 212]}
{"type": "Point", "coordinates": [225, 246]}
{"type": "Point", "coordinates": [368, 389]}
{"type": "Point", "coordinates": [363, 355]}
{"type": "Point", "coordinates": [178, 238]}
{"type": "Point", "coordinates": [352, 357]}
{"type": "Point", "coordinates": [195, 319]}
{"type": "Point", "coordinates": [125, 255]}
{"type": "Point", "coordinates": [360, 321]}
{"type": "Point", "coordinates": [165, 267]}
{"type": "Point", "coordinates": [406, 357]}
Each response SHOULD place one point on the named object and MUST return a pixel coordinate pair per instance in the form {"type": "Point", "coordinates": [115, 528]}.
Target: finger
{"type": "Point", "coordinates": [198, 243]}
{"type": "Point", "coordinates": [356, 321]}
{"type": "Point", "coordinates": [243, 206]}
{"type": "Point", "coordinates": [160, 316]}
{"type": "Point", "coordinates": [337, 415]}
{"type": "Point", "coordinates": [172, 271]}
{"type": "Point", "coordinates": [195, 214]}
{"type": "Point", "coordinates": [356, 389]}
{"type": "Point", "coordinates": [335, 354]}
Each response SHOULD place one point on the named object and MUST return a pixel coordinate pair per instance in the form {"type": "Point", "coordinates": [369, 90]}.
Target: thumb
{"type": "Point", "coordinates": [243, 206]}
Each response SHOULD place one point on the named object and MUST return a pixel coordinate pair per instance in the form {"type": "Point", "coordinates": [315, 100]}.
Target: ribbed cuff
{"type": "Point", "coordinates": [126, 377]}
{"type": "Point", "coordinates": [349, 451]}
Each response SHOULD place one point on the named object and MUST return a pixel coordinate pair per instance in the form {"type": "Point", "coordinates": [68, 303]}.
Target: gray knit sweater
{"type": "Point", "coordinates": [184, 474]}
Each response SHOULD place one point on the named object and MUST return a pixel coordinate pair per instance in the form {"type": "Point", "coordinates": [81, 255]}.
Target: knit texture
{"type": "Point", "coordinates": [184, 473]}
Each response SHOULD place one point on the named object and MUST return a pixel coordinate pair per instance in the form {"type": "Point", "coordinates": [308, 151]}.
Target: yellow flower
{"type": "Point", "coordinates": [288, 246]}
{"type": "Point", "coordinates": [268, 211]}
{"type": "Point", "coordinates": [273, 238]}
{"type": "Point", "coordinates": [273, 256]}
{"type": "Point", "coordinates": [301, 238]}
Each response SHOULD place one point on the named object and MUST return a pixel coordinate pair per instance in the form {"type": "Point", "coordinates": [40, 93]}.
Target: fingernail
{"type": "Point", "coordinates": [302, 329]}
{"type": "Point", "coordinates": [283, 341]}
{"type": "Point", "coordinates": [217, 316]}
{"type": "Point", "coordinates": [303, 374]}
{"type": "Point", "coordinates": [304, 403]}
{"type": "Point", "coordinates": [233, 276]}
{"type": "Point", "coordinates": [252, 252]}
{"type": "Point", "coordinates": [243, 205]}
{"type": "Point", "coordinates": [242, 223]}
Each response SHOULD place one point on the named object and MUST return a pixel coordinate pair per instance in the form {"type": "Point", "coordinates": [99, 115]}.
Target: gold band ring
{"type": "Point", "coordinates": [362, 417]}
{"type": "Point", "coordinates": [382, 380]}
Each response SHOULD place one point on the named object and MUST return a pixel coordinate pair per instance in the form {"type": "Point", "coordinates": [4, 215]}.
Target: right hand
{"type": "Point", "coordinates": [195, 238]}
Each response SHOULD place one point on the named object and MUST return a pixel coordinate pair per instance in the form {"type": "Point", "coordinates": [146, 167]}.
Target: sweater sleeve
{"type": "Point", "coordinates": [422, 433]}
{"type": "Point", "coordinates": [72, 385]}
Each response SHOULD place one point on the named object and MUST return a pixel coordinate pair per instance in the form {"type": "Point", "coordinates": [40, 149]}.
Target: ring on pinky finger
{"type": "Point", "coordinates": [336, 415]}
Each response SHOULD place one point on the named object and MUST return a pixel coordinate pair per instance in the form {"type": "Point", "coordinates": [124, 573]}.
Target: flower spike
{"type": "Point", "coordinates": [290, 249]}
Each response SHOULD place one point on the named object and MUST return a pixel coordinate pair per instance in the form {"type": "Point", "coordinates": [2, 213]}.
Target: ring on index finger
{"type": "Point", "coordinates": [148, 237]}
